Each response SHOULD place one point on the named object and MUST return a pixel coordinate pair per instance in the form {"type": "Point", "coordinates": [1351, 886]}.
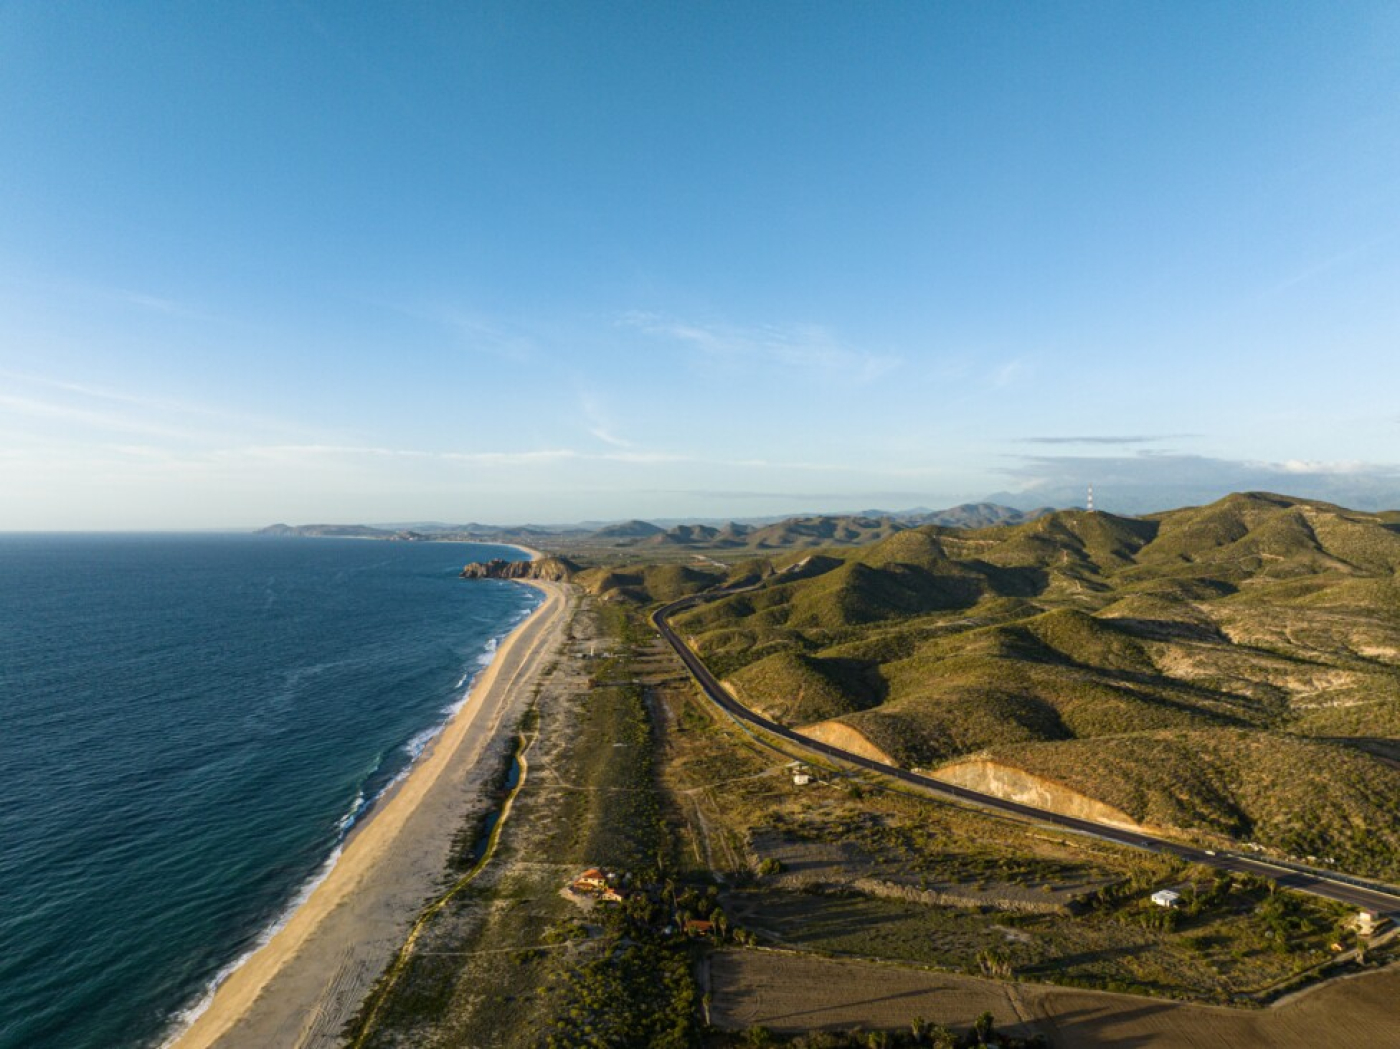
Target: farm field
{"type": "Point", "coordinates": [789, 993]}
{"type": "Point", "coordinates": [839, 867]}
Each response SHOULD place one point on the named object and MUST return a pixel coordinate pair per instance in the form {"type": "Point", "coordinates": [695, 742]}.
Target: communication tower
{"type": "Point", "coordinates": [1091, 499]}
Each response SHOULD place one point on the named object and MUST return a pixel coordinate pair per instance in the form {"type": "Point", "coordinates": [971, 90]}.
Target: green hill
{"type": "Point", "coordinates": [1224, 669]}
{"type": "Point", "coordinates": [647, 583]}
{"type": "Point", "coordinates": [629, 530]}
{"type": "Point", "coordinates": [1309, 798]}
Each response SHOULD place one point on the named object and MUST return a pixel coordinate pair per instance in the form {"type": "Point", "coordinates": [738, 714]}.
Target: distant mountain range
{"type": "Point", "coordinates": [786, 533]}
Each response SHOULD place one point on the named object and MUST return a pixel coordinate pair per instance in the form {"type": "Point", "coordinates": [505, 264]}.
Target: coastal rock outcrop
{"type": "Point", "coordinates": [553, 569]}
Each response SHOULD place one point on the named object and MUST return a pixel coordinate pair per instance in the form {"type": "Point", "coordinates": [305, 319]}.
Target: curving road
{"type": "Point", "coordinates": [1328, 886]}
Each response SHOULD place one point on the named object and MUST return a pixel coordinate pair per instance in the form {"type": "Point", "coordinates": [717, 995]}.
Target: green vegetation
{"type": "Point", "coordinates": [507, 959]}
{"type": "Point", "coordinates": [1235, 940]}
{"type": "Point", "coordinates": [1225, 670]}
{"type": "Point", "coordinates": [918, 1033]}
{"type": "Point", "coordinates": [1232, 670]}
{"type": "Point", "coordinates": [842, 868]}
{"type": "Point", "coordinates": [808, 688]}
{"type": "Point", "coordinates": [648, 583]}
{"type": "Point", "coordinates": [637, 991]}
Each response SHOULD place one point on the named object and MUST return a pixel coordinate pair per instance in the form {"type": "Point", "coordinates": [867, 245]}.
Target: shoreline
{"type": "Point", "coordinates": [301, 978]}
{"type": "Point", "coordinates": [531, 554]}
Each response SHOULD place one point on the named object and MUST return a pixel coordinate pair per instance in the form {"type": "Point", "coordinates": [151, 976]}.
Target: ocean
{"type": "Point", "coordinates": [189, 725]}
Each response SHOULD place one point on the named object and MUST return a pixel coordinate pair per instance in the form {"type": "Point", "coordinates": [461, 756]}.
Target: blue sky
{"type": "Point", "coordinates": [551, 262]}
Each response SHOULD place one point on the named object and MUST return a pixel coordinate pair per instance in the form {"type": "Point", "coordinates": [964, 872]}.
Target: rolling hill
{"type": "Point", "coordinates": [826, 529]}
{"type": "Point", "coordinates": [1231, 671]}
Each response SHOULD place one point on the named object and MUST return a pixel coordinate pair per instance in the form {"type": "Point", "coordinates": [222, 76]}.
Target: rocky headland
{"type": "Point", "coordinates": [552, 569]}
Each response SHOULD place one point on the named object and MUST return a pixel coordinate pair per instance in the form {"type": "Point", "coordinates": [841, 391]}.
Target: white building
{"type": "Point", "coordinates": [1166, 897]}
{"type": "Point", "coordinates": [1367, 922]}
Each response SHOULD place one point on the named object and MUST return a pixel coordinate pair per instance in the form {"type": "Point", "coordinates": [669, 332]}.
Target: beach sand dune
{"type": "Point", "coordinates": [299, 990]}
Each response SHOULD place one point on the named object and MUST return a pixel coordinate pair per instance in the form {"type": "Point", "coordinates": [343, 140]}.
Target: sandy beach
{"type": "Point", "coordinates": [308, 980]}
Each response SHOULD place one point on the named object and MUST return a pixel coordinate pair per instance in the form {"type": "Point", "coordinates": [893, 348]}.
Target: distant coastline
{"type": "Point", "coordinates": [384, 535]}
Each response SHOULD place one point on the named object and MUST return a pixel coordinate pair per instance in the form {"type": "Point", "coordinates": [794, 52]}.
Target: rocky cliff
{"type": "Point", "coordinates": [555, 569]}
{"type": "Point", "coordinates": [1013, 784]}
{"type": "Point", "coordinates": [839, 734]}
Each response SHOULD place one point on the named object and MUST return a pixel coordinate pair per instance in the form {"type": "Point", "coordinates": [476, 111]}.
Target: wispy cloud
{"type": "Point", "coordinates": [1107, 439]}
{"type": "Point", "coordinates": [600, 422]}
{"type": "Point", "coordinates": [1341, 467]}
{"type": "Point", "coordinates": [1332, 262]}
{"type": "Point", "coordinates": [311, 454]}
{"type": "Point", "coordinates": [801, 348]}
{"type": "Point", "coordinates": [104, 410]}
{"type": "Point", "coordinates": [535, 457]}
{"type": "Point", "coordinates": [1010, 372]}
{"type": "Point", "coordinates": [106, 295]}
{"type": "Point", "coordinates": [160, 304]}
{"type": "Point", "coordinates": [471, 330]}
{"type": "Point", "coordinates": [52, 415]}
{"type": "Point", "coordinates": [103, 421]}
{"type": "Point", "coordinates": [607, 437]}
{"type": "Point", "coordinates": [1150, 480]}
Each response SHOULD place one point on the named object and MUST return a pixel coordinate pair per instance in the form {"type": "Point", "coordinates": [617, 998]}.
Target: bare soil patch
{"type": "Point", "coordinates": [795, 993]}
{"type": "Point", "coordinates": [807, 864]}
{"type": "Point", "coordinates": [791, 993]}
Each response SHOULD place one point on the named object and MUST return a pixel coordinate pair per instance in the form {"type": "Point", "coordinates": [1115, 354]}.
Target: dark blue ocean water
{"type": "Point", "coordinates": [188, 726]}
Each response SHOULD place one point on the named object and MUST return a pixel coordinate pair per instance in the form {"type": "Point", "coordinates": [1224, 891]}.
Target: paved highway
{"type": "Point", "coordinates": [1318, 884]}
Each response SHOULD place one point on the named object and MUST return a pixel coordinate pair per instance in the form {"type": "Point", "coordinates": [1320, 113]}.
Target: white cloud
{"type": "Point", "coordinates": [600, 423]}
{"type": "Point", "coordinates": [74, 415]}
{"type": "Point", "coordinates": [105, 409]}
{"type": "Point", "coordinates": [1310, 466]}
{"type": "Point", "coordinates": [1317, 269]}
{"type": "Point", "coordinates": [473, 331]}
{"type": "Point", "coordinates": [517, 458]}
{"type": "Point", "coordinates": [158, 304]}
{"type": "Point", "coordinates": [801, 348]}
{"type": "Point", "coordinates": [1011, 371]}
{"type": "Point", "coordinates": [1161, 480]}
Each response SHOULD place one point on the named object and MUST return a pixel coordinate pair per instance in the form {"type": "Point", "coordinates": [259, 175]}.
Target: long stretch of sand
{"type": "Point", "coordinates": [299, 989]}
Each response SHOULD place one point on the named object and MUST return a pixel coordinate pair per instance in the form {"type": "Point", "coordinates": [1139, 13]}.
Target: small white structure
{"type": "Point", "coordinates": [1367, 922]}
{"type": "Point", "coordinates": [801, 779]}
{"type": "Point", "coordinates": [1166, 897]}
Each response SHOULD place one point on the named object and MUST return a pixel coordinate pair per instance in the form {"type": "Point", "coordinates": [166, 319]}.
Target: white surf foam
{"type": "Point", "coordinates": [181, 1021]}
